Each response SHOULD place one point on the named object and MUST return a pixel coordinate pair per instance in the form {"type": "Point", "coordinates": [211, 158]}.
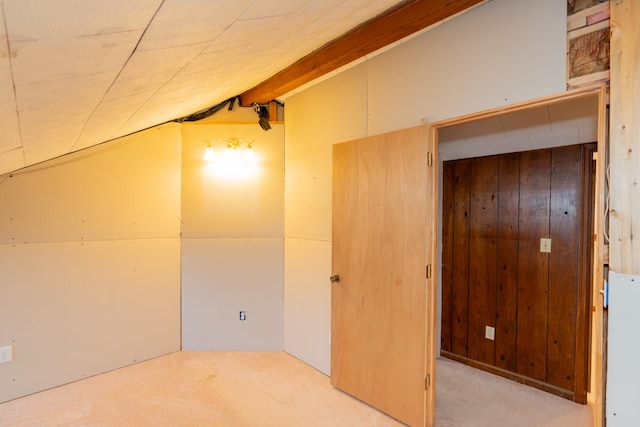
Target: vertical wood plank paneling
{"type": "Point", "coordinates": [586, 274]}
{"type": "Point", "coordinates": [448, 180]}
{"type": "Point", "coordinates": [482, 256]}
{"type": "Point", "coordinates": [460, 291]}
{"type": "Point", "coordinates": [533, 266]}
{"type": "Point", "coordinates": [563, 265]}
{"type": "Point", "coordinates": [503, 205]}
{"type": "Point", "coordinates": [507, 261]}
{"type": "Point", "coordinates": [625, 134]}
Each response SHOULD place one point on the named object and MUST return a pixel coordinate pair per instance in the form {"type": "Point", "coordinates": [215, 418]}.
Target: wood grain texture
{"type": "Point", "coordinates": [595, 397]}
{"type": "Point", "coordinates": [564, 265]}
{"type": "Point", "coordinates": [460, 292]}
{"type": "Point", "coordinates": [379, 249]}
{"type": "Point", "coordinates": [507, 261]}
{"type": "Point", "coordinates": [433, 224]}
{"type": "Point", "coordinates": [483, 225]}
{"type": "Point", "coordinates": [624, 136]}
{"type": "Point", "coordinates": [448, 181]}
{"type": "Point", "coordinates": [539, 314]}
{"type": "Point", "coordinates": [533, 266]}
{"type": "Point", "coordinates": [586, 272]}
{"type": "Point", "coordinates": [403, 20]}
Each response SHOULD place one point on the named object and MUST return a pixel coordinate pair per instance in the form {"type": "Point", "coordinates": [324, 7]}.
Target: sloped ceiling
{"type": "Point", "coordinates": [76, 73]}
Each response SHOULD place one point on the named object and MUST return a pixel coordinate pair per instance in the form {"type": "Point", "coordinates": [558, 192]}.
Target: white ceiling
{"type": "Point", "coordinates": [75, 73]}
{"type": "Point", "coordinates": [568, 122]}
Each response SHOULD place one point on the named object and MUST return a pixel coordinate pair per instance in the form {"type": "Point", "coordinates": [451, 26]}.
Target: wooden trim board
{"type": "Point", "coordinates": [595, 396]}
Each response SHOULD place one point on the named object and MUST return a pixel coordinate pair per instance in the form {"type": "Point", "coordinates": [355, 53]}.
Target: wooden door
{"type": "Point", "coordinates": [382, 307]}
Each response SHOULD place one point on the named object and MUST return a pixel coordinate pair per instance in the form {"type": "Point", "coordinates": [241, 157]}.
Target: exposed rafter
{"type": "Point", "coordinates": [404, 19]}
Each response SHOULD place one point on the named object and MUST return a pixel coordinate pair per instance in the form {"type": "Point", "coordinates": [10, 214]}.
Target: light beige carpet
{"type": "Point", "coordinates": [272, 389]}
{"type": "Point", "coordinates": [198, 389]}
{"type": "Point", "coordinates": [469, 397]}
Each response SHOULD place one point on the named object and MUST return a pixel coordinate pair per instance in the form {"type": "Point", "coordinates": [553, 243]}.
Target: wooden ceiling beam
{"type": "Point", "coordinates": [402, 20]}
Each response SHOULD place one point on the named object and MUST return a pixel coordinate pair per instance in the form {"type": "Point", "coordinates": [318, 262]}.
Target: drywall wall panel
{"type": "Point", "coordinates": [308, 199]}
{"type": "Point", "coordinates": [333, 111]}
{"type": "Point", "coordinates": [232, 228]}
{"type": "Point", "coordinates": [307, 326]}
{"type": "Point", "coordinates": [502, 52]}
{"type": "Point", "coordinates": [315, 121]}
{"type": "Point", "coordinates": [222, 278]}
{"type": "Point", "coordinates": [221, 200]}
{"type": "Point", "coordinates": [125, 189]}
{"type": "Point", "coordinates": [90, 261]}
{"type": "Point", "coordinates": [75, 309]}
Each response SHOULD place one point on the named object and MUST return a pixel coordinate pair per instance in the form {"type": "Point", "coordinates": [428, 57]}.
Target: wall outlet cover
{"type": "Point", "coordinates": [6, 354]}
{"type": "Point", "coordinates": [490, 333]}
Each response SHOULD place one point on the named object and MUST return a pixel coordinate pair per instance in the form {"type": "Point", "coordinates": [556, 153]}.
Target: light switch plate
{"type": "Point", "coordinates": [490, 333]}
{"type": "Point", "coordinates": [545, 245]}
{"type": "Point", "coordinates": [6, 354]}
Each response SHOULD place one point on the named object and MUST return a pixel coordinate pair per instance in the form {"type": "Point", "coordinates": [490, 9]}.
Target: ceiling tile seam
{"type": "Point", "coordinates": [133, 51]}
{"type": "Point", "coordinates": [202, 52]}
{"type": "Point", "coordinates": [119, 130]}
{"type": "Point", "coordinates": [13, 85]}
{"type": "Point", "coordinates": [12, 150]}
{"type": "Point", "coordinates": [88, 36]}
{"type": "Point", "coordinates": [181, 45]}
{"type": "Point", "coordinates": [228, 26]}
{"type": "Point", "coordinates": [257, 18]}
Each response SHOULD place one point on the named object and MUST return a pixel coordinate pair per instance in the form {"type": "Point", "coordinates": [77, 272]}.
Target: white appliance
{"type": "Point", "coordinates": [623, 351]}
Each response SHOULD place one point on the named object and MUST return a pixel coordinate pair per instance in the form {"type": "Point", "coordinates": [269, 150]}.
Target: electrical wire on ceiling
{"type": "Point", "coordinates": [261, 109]}
{"type": "Point", "coordinates": [209, 111]}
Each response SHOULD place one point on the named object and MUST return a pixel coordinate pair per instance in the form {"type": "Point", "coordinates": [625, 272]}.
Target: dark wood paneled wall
{"type": "Point", "coordinates": [507, 268]}
{"type": "Point", "coordinates": [460, 263]}
{"type": "Point", "coordinates": [483, 227]}
{"type": "Point", "coordinates": [495, 211]}
{"type": "Point", "coordinates": [533, 272]}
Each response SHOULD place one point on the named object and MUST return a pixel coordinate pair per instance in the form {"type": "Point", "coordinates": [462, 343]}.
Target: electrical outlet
{"type": "Point", "coordinates": [490, 333]}
{"type": "Point", "coordinates": [243, 316]}
{"type": "Point", "coordinates": [6, 354]}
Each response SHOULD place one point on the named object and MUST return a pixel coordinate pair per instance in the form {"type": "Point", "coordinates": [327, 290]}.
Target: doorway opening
{"type": "Point", "coordinates": [570, 118]}
{"type": "Point", "coordinates": [516, 265]}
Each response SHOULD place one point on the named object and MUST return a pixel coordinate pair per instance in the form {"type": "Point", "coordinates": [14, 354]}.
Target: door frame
{"type": "Point", "coordinates": [595, 395]}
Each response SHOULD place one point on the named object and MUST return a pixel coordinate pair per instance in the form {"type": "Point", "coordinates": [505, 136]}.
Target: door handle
{"type": "Point", "coordinates": [335, 278]}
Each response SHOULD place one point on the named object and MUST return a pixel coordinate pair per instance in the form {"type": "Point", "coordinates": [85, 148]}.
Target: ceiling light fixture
{"type": "Point", "coordinates": [232, 158]}
{"type": "Point", "coordinates": [209, 154]}
{"type": "Point", "coordinates": [235, 148]}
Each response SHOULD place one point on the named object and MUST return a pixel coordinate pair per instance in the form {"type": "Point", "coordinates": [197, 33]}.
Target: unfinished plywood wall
{"type": "Point", "coordinates": [624, 135]}
{"type": "Point", "coordinates": [587, 42]}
